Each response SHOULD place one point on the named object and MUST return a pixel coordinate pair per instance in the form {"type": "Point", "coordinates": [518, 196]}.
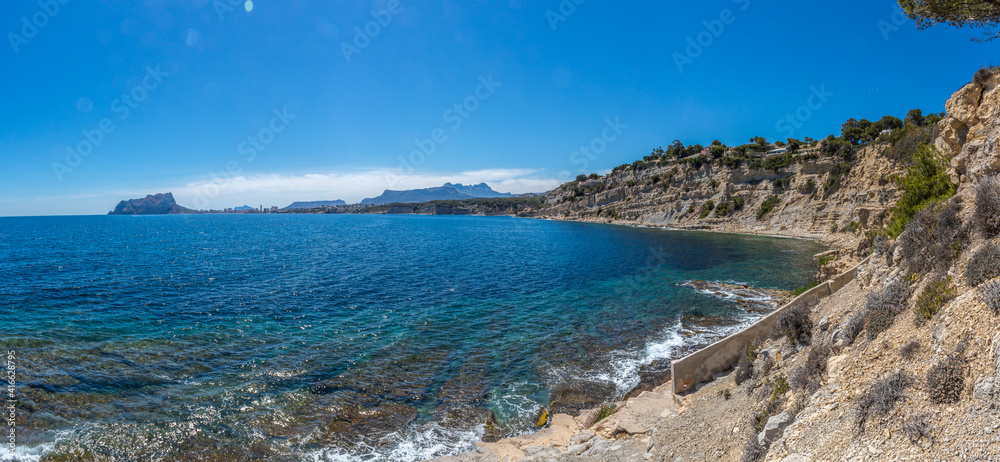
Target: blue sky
{"type": "Point", "coordinates": [289, 101]}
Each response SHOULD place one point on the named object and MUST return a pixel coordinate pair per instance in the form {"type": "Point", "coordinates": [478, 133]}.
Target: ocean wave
{"type": "Point", "coordinates": [25, 453]}
{"type": "Point", "coordinates": [426, 441]}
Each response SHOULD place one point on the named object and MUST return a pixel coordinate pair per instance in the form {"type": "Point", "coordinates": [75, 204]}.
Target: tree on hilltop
{"type": "Point", "coordinates": [958, 13]}
{"type": "Point", "coordinates": [915, 118]}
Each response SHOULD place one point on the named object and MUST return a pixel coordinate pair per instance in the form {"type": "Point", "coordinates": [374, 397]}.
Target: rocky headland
{"type": "Point", "coordinates": [153, 204]}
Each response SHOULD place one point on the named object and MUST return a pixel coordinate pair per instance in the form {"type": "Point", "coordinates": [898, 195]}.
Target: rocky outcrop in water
{"type": "Point", "coordinates": [153, 204]}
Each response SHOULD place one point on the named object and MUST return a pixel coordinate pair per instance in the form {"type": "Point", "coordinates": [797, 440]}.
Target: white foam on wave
{"type": "Point", "coordinates": [625, 366]}
{"type": "Point", "coordinates": [23, 453]}
{"type": "Point", "coordinates": [733, 294]}
{"type": "Point", "coordinates": [624, 372]}
{"type": "Point", "coordinates": [427, 441]}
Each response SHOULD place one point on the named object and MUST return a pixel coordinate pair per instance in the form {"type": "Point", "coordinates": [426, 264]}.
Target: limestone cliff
{"type": "Point", "coordinates": [814, 197]}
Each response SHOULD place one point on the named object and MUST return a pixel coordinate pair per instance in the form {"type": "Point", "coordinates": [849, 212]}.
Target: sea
{"type": "Point", "coordinates": [345, 337]}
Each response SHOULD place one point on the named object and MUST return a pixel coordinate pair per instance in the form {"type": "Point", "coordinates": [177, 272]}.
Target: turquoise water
{"type": "Point", "coordinates": [343, 337]}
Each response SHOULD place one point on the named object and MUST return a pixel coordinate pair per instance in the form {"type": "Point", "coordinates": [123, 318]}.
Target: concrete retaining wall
{"type": "Point", "coordinates": [698, 367]}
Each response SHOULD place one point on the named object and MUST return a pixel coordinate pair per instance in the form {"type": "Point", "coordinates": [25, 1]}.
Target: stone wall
{"type": "Point", "coordinates": [698, 367]}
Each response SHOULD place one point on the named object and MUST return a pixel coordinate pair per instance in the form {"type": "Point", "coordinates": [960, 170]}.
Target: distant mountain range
{"type": "Point", "coordinates": [446, 192]}
{"type": "Point", "coordinates": [153, 204]}
{"type": "Point", "coordinates": [314, 204]}
{"type": "Point", "coordinates": [244, 208]}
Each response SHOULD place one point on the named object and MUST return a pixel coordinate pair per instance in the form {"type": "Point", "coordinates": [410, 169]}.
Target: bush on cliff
{"type": "Point", "coordinates": [853, 327]}
{"type": "Point", "coordinates": [983, 265]}
{"type": "Point", "coordinates": [925, 182]}
{"type": "Point", "coordinates": [807, 376]}
{"type": "Point", "coordinates": [880, 398]}
{"type": "Point", "coordinates": [744, 368]}
{"type": "Point", "coordinates": [934, 238]}
{"type": "Point", "coordinates": [946, 380]}
{"type": "Point", "coordinates": [987, 206]}
{"type": "Point", "coordinates": [794, 324]}
{"type": "Point", "coordinates": [882, 307]}
{"type": "Point", "coordinates": [707, 208]}
{"type": "Point", "coordinates": [932, 298]}
{"type": "Point", "coordinates": [769, 204]}
{"type": "Point", "coordinates": [989, 294]}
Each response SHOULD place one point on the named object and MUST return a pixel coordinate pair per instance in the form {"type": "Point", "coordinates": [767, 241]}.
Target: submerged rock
{"type": "Point", "coordinates": [745, 297]}
{"type": "Point", "coordinates": [580, 395]}
{"type": "Point", "coordinates": [492, 432]}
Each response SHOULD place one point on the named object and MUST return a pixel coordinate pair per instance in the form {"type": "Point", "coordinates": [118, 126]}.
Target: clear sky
{"type": "Point", "coordinates": [227, 103]}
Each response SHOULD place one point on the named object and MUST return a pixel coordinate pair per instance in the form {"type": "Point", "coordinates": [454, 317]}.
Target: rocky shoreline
{"type": "Point", "coordinates": [571, 431]}
{"type": "Point", "coordinates": [900, 364]}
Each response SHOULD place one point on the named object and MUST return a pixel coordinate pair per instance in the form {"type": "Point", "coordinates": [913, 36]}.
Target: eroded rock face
{"type": "Point", "coordinates": [970, 133]}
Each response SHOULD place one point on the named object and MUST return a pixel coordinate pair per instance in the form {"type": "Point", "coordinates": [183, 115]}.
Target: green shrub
{"type": "Point", "coordinates": [707, 208]}
{"type": "Point", "coordinates": [925, 182]}
{"type": "Point", "coordinates": [809, 186]}
{"type": "Point", "coordinates": [722, 210]}
{"type": "Point", "coordinates": [932, 298]}
{"type": "Point", "coordinates": [783, 182]}
{"type": "Point", "coordinates": [806, 288]}
{"type": "Point", "coordinates": [713, 184]}
{"type": "Point", "coordinates": [769, 204]}
{"type": "Point", "coordinates": [604, 412]}
{"type": "Point", "coordinates": [880, 398]}
{"type": "Point", "coordinates": [739, 202]}
{"type": "Point", "coordinates": [655, 179]}
{"type": "Point", "coordinates": [983, 265]}
{"type": "Point", "coordinates": [630, 183]}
